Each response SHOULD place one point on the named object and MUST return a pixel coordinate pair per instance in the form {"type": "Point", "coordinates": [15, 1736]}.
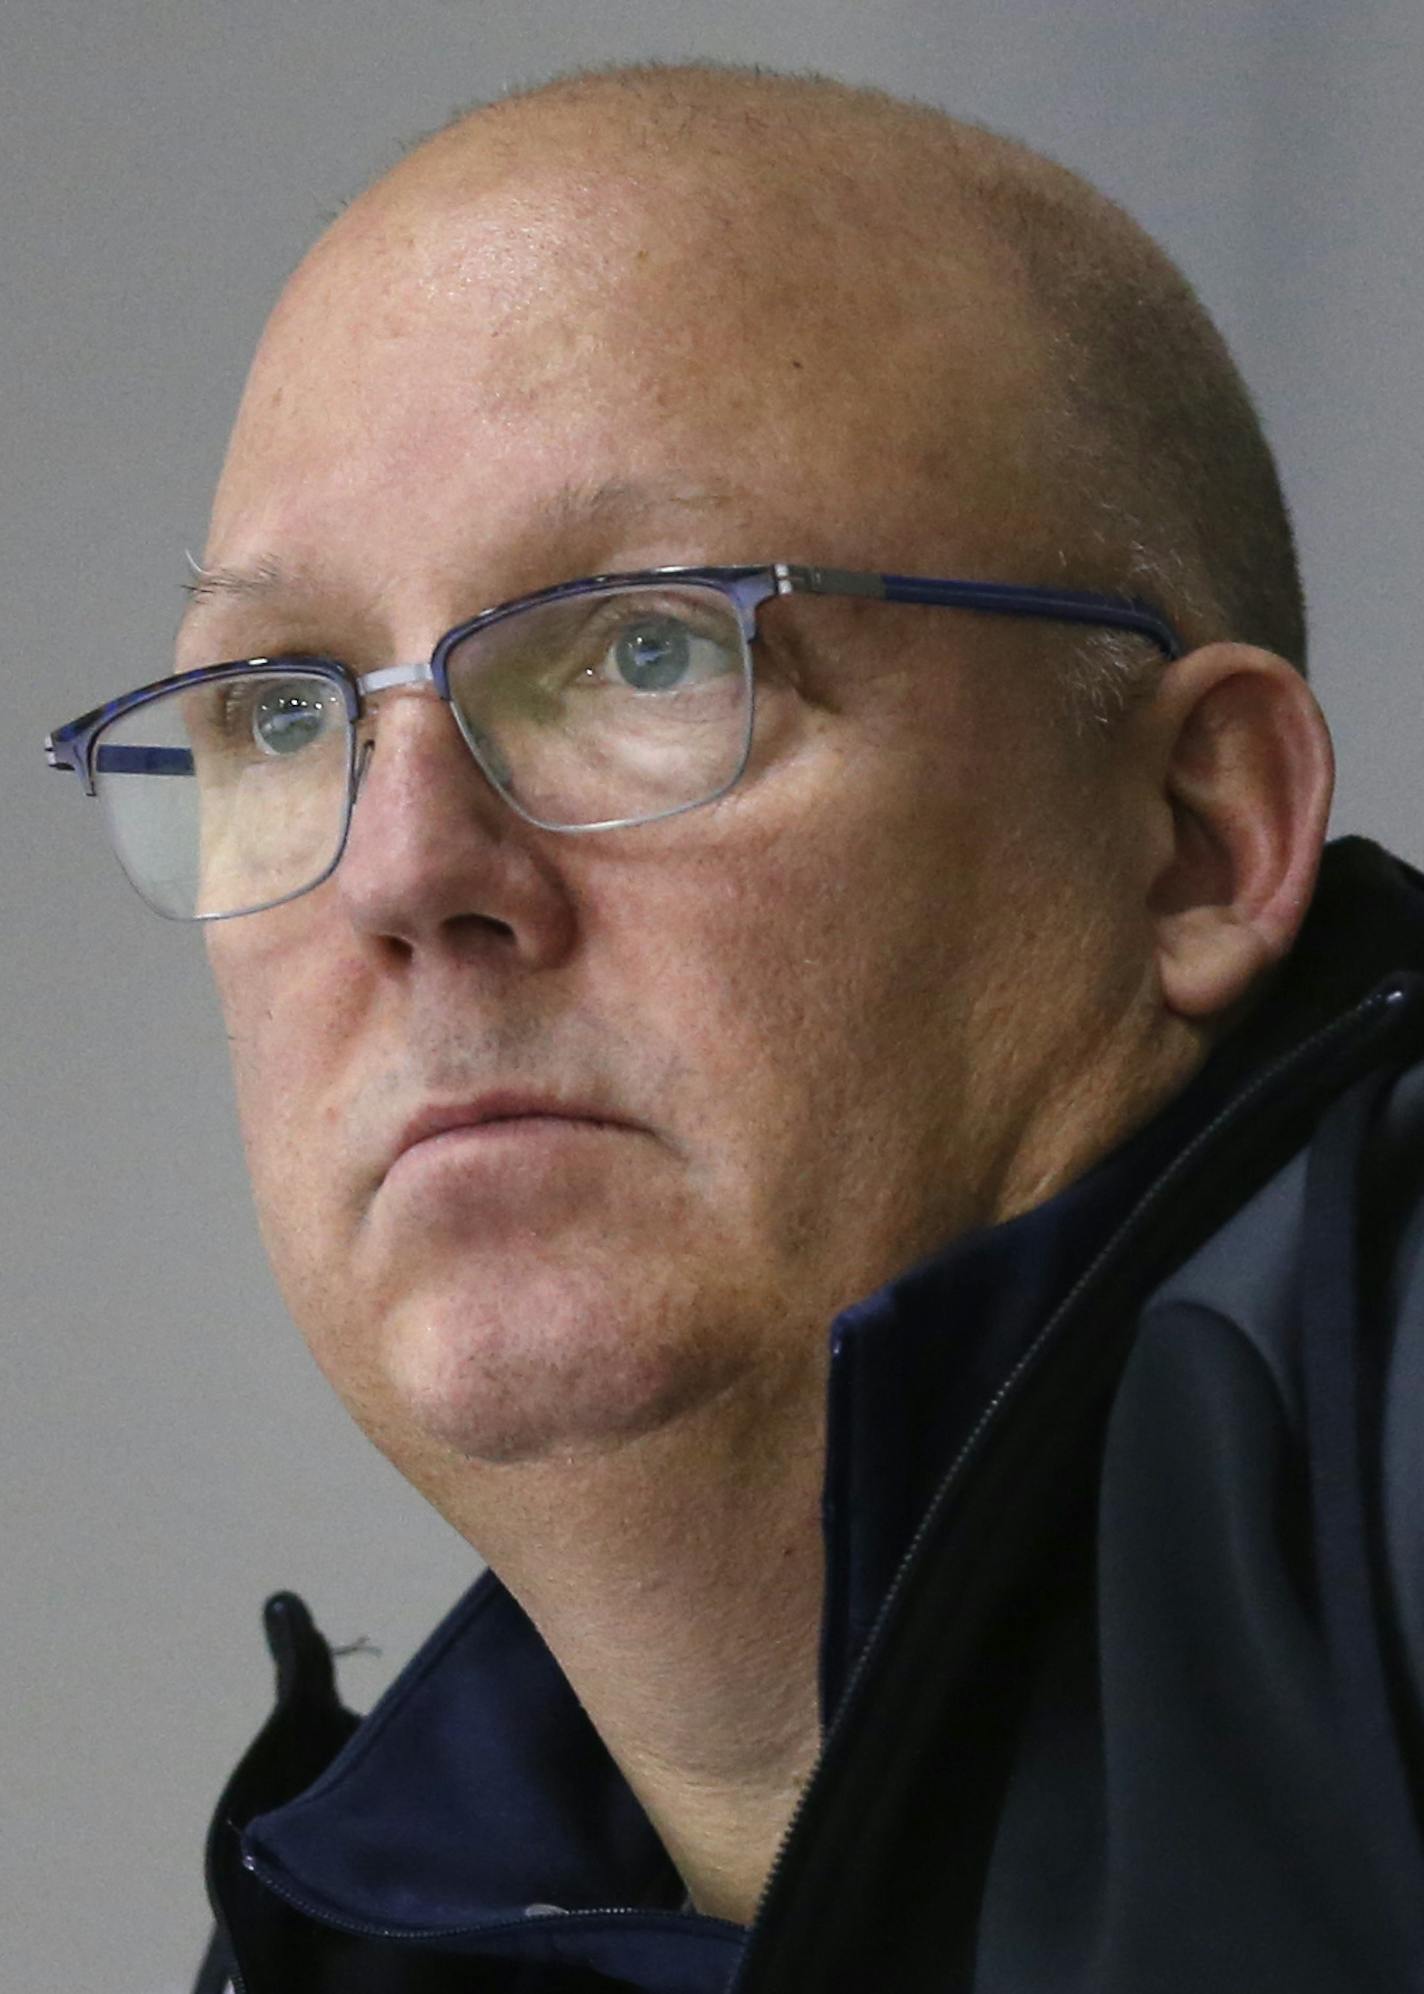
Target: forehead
{"type": "Point", "coordinates": [469, 346]}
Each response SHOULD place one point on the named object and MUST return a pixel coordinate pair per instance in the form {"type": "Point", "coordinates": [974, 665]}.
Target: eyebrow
{"type": "Point", "coordinates": [209, 584]}
{"type": "Point", "coordinates": [570, 508]}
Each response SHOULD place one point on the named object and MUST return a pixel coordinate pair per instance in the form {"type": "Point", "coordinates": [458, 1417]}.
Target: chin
{"type": "Point", "coordinates": [552, 1371]}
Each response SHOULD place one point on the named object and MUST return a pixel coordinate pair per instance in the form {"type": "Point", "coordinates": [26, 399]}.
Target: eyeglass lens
{"type": "Point", "coordinates": [607, 707]}
{"type": "Point", "coordinates": [229, 795]}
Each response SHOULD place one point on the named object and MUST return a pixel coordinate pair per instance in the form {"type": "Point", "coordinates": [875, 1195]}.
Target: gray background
{"type": "Point", "coordinates": [169, 1454]}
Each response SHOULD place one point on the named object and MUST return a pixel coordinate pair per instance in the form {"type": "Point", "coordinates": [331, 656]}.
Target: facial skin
{"type": "Point", "coordinates": [783, 1003]}
{"type": "Point", "coordinates": [906, 978]}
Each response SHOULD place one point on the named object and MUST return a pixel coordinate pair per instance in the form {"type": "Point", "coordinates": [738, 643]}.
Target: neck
{"type": "Point", "coordinates": [678, 1581]}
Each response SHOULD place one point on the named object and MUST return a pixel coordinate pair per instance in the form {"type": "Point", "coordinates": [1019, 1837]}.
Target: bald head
{"type": "Point", "coordinates": [1116, 445]}
{"type": "Point", "coordinates": [1019, 383]}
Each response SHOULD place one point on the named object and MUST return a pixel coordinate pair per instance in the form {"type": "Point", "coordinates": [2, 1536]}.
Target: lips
{"type": "Point", "coordinates": [441, 1119]}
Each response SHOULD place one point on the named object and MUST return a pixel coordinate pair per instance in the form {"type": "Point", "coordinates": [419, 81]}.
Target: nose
{"type": "Point", "coordinates": [434, 857]}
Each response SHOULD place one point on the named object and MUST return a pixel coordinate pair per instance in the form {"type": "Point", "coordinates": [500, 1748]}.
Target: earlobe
{"type": "Point", "coordinates": [1246, 773]}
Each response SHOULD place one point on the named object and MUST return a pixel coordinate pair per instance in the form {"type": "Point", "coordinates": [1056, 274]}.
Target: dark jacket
{"type": "Point", "coordinates": [1123, 1660]}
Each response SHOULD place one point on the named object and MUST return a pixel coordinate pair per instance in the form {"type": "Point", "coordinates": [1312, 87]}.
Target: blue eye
{"type": "Point", "coordinates": [653, 655]}
{"type": "Point", "coordinates": [286, 720]}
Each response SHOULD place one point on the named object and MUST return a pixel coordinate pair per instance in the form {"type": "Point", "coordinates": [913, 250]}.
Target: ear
{"type": "Point", "coordinates": [1245, 768]}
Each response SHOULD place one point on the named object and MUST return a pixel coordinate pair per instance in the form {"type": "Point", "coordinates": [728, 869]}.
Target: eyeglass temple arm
{"type": "Point", "coordinates": [73, 758]}
{"type": "Point", "coordinates": [992, 598]}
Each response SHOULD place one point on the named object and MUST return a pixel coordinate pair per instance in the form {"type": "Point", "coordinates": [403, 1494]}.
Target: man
{"type": "Point", "coordinates": [854, 1203]}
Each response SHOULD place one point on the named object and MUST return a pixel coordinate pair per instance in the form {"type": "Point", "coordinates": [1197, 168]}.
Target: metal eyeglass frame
{"type": "Point", "coordinates": [74, 745]}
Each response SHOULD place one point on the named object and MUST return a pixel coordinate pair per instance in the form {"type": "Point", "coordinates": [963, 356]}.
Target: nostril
{"type": "Point", "coordinates": [481, 927]}
{"type": "Point", "coordinates": [396, 948]}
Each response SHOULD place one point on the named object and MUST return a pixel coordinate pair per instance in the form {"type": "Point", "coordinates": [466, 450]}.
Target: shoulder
{"type": "Point", "coordinates": [1250, 1282]}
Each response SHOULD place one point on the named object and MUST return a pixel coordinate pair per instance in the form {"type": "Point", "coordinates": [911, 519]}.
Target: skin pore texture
{"type": "Point", "coordinates": [933, 956]}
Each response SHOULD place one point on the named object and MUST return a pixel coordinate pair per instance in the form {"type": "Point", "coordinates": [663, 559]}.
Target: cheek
{"type": "Point", "coordinates": [290, 998]}
{"type": "Point", "coordinates": [870, 980]}
{"type": "Point", "coordinates": [809, 983]}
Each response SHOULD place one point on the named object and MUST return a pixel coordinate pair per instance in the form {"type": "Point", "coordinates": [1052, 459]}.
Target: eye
{"type": "Point", "coordinates": [664, 653]}
{"type": "Point", "coordinates": [286, 719]}
{"type": "Point", "coordinates": [654, 654]}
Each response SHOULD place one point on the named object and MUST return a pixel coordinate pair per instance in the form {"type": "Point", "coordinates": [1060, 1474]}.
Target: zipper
{"type": "Point", "coordinates": [421, 1935]}
{"type": "Point", "coordinates": [1325, 1039]}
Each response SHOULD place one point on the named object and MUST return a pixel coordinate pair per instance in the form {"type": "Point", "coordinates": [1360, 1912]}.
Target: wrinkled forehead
{"type": "Point", "coordinates": [487, 327]}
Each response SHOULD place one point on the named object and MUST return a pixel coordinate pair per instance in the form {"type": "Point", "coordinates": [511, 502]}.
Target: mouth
{"type": "Point", "coordinates": [496, 1115]}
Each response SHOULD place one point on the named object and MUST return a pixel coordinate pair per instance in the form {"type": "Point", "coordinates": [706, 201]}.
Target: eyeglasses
{"type": "Point", "coordinates": [593, 706]}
